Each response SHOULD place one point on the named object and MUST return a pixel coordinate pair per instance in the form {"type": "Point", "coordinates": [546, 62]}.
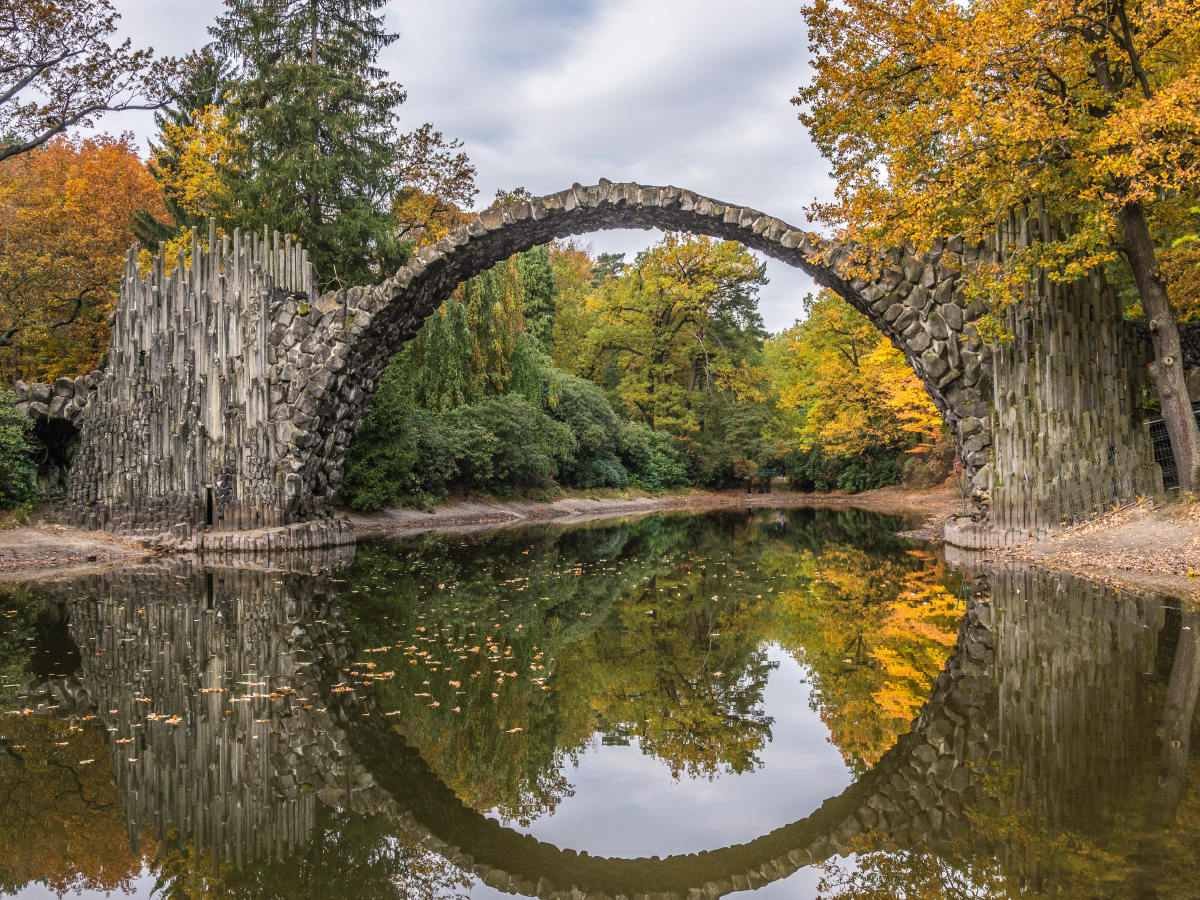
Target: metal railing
{"type": "Point", "coordinates": [1163, 455]}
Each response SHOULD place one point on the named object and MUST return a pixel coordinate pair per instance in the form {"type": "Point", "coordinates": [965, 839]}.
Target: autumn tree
{"type": "Point", "coordinates": [437, 186]}
{"type": "Point", "coordinates": [941, 117]}
{"type": "Point", "coordinates": [571, 266]}
{"type": "Point", "coordinates": [854, 391]}
{"type": "Point", "coordinates": [65, 226]}
{"type": "Point", "coordinates": [667, 323]}
{"type": "Point", "coordinates": [194, 141]}
{"type": "Point", "coordinates": [58, 70]}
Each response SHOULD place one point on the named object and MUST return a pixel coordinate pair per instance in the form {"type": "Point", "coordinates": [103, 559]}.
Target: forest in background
{"type": "Point", "coordinates": [560, 369]}
{"type": "Point", "coordinates": [557, 369]}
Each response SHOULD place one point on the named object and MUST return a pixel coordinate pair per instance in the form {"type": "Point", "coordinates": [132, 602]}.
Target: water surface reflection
{"type": "Point", "coordinates": [683, 703]}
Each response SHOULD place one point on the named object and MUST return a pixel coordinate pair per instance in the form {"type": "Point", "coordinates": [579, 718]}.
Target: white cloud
{"type": "Point", "coordinates": [549, 92]}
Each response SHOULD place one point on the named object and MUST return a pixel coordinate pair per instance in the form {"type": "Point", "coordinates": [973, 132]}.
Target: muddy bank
{"type": "Point", "coordinates": [1138, 548]}
{"type": "Point", "coordinates": [470, 516]}
{"type": "Point", "coordinates": [1141, 548]}
{"type": "Point", "coordinates": [30, 551]}
{"type": "Point", "coordinates": [43, 547]}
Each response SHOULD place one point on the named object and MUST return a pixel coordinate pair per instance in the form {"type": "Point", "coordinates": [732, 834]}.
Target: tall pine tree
{"type": "Point", "coordinates": [317, 139]}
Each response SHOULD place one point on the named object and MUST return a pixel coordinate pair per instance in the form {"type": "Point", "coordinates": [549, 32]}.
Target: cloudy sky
{"type": "Point", "coordinates": [545, 93]}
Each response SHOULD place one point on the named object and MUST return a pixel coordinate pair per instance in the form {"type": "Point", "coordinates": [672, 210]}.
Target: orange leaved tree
{"type": "Point", "coordinates": [942, 116]}
{"type": "Point", "coordinates": [64, 230]}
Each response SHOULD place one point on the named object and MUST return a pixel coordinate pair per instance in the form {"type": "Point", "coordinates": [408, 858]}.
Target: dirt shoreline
{"type": "Point", "coordinates": [44, 548]}
{"type": "Point", "coordinates": [1143, 548]}
{"type": "Point", "coordinates": [473, 516]}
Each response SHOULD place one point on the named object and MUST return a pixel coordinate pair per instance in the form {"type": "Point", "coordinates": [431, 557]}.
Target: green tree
{"type": "Point", "coordinates": [17, 469]}
{"type": "Point", "coordinates": [316, 125]}
{"type": "Point", "coordinates": [537, 282]}
{"type": "Point", "coordinates": [664, 326]}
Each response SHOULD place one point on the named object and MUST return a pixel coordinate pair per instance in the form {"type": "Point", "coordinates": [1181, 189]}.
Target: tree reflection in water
{"type": "Point", "coordinates": [652, 632]}
{"type": "Point", "coordinates": [1091, 790]}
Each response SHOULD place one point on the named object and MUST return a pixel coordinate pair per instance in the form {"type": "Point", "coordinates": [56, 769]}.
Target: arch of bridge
{"type": "Point", "coordinates": [329, 365]}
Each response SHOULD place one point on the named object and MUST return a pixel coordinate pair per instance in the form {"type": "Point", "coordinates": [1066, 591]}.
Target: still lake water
{"type": "Point", "coordinates": [796, 703]}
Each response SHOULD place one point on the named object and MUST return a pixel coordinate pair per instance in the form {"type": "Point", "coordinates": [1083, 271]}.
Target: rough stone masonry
{"type": "Point", "coordinates": [234, 389]}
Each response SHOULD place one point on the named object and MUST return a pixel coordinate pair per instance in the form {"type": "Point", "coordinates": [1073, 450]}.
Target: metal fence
{"type": "Point", "coordinates": [1079, 492]}
{"type": "Point", "coordinates": [1163, 455]}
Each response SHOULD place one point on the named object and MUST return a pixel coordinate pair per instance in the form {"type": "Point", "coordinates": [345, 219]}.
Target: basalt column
{"type": "Point", "coordinates": [177, 432]}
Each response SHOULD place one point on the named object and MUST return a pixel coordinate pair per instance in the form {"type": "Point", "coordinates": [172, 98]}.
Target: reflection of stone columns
{"type": "Point", "coordinates": [1073, 657]}
{"type": "Point", "coordinates": [215, 687]}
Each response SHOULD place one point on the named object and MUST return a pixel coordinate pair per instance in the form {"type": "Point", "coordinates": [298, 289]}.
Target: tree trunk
{"type": "Point", "coordinates": [1176, 725]}
{"type": "Point", "coordinates": [1174, 730]}
{"type": "Point", "coordinates": [1167, 368]}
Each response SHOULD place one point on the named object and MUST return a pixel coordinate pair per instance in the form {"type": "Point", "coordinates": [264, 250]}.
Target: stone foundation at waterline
{"type": "Point", "coordinates": [234, 390]}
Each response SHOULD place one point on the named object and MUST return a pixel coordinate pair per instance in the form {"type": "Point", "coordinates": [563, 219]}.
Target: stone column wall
{"type": "Point", "coordinates": [1066, 410]}
{"type": "Point", "coordinates": [177, 436]}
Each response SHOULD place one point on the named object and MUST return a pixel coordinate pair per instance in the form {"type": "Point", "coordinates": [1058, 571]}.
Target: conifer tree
{"type": "Point", "coordinates": [537, 283]}
{"type": "Point", "coordinates": [316, 121]}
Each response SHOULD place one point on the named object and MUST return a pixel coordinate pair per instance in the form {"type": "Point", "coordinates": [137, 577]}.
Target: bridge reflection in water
{"type": "Point", "coordinates": [243, 728]}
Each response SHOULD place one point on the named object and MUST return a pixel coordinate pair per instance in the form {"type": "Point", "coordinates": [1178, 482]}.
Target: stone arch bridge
{"type": "Point", "coordinates": [234, 389]}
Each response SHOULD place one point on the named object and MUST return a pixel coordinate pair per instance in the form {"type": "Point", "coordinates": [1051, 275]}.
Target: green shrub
{"type": "Point", "coordinates": [401, 454]}
{"type": "Point", "coordinates": [653, 458]}
{"type": "Point", "coordinates": [506, 442]}
{"type": "Point", "coordinates": [812, 470]}
{"type": "Point", "coordinates": [582, 407]}
{"type": "Point", "coordinates": [18, 471]}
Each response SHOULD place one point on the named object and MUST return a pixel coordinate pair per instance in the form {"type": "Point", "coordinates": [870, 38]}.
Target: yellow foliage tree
{"type": "Point", "coordinates": [195, 183]}
{"type": "Point", "coordinates": [942, 116]}
{"type": "Point", "coordinates": [661, 324]}
{"type": "Point", "coordinates": [438, 187]}
{"type": "Point", "coordinates": [60, 816]}
{"type": "Point", "coordinates": [572, 266]}
{"type": "Point", "coordinates": [855, 391]}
